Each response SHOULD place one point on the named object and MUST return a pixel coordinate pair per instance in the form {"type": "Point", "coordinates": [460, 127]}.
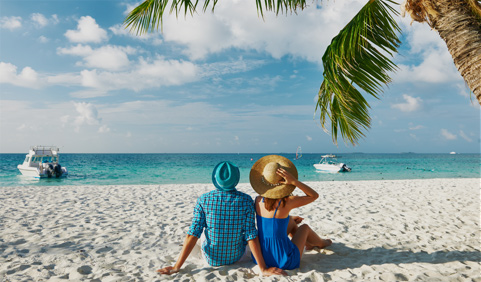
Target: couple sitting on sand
{"type": "Point", "coordinates": [227, 218]}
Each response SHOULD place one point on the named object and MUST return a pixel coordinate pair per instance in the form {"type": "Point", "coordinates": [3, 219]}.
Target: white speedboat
{"type": "Point", "coordinates": [42, 162]}
{"type": "Point", "coordinates": [329, 163]}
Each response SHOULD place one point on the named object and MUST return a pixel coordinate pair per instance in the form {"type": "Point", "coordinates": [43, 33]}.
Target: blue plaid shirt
{"type": "Point", "coordinates": [229, 222]}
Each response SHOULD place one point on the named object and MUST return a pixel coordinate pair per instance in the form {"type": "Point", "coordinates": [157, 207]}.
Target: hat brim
{"type": "Point", "coordinates": [266, 190]}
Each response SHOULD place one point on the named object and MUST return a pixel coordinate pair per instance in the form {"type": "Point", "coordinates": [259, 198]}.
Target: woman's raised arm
{"type": "Point", "coordinates": [297, 201]}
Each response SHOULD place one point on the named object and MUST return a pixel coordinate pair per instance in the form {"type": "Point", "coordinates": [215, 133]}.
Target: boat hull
{"type": "Point", "coordinates": [29, 171]}
{"type": "Point", "coordinates": [34, 172]}
{"type": "Point", "coordinates": [327, 167]}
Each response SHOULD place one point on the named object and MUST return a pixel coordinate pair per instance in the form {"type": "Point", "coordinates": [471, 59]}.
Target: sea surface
{"type": "Point", "coordinates": [141, 169]}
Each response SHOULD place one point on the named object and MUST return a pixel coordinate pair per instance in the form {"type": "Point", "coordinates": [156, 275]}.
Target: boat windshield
{"type": "Point", "coordinates": [46, 159]}
{"type": "Point", "coordinates": [327, 160]}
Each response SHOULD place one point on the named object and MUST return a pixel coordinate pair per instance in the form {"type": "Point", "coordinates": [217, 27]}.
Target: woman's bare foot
{"type": "Point", "coordinates": [325, 243]}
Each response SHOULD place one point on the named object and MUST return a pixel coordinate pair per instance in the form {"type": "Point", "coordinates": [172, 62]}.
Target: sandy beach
{"type": "Point", "coordinates": [389, 230]}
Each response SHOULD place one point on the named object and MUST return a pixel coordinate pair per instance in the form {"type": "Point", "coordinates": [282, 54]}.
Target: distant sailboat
{"type": "Point", "coordinates": [298, 153]}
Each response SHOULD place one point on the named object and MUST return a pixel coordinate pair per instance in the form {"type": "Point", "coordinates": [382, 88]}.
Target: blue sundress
{"type": "Point", "coordinates": [277, 249]}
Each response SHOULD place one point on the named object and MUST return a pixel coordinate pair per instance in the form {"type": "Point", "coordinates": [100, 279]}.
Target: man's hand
{"type": "Point", "coordinates": [273, 271]}
{"type": "Point", "coordinates": [168, 270]}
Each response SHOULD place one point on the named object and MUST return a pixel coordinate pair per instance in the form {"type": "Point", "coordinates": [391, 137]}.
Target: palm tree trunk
{"type": "Point", "coordinates": [461, 30]}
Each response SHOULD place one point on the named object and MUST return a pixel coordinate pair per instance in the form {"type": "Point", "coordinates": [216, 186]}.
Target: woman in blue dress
{"type": "Point", "coordinates": [274, 178]}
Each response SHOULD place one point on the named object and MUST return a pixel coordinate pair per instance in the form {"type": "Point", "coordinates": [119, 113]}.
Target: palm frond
{"type": "Point", "coordinates": [357, 57]}
{"type": "Point", "coordinates": [150, 13]}
{"type": "Point", "coordinates": [280, 6]}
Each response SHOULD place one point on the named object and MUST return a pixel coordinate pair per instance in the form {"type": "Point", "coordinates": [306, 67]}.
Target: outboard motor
{"type": "Point", "coordinates": [50, 170]}
{"type": "Point", "coordinates": [344, 167]}
{"type": "Point", "coordinates": [58, 170]}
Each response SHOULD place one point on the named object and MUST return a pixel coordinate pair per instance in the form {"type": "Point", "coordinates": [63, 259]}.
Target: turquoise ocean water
{"type": "Point", "coordinates": [140, 169]}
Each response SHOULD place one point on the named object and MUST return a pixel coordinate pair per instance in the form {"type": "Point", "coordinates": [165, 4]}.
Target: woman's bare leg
{"type": "Point", "coordinates": [300, 238]}
{"type": "Point", "coordinates": [292, 229]}
{"type": "Point", "coordinates": [306, 237]}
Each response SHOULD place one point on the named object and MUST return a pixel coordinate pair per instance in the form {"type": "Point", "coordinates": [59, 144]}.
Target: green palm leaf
{"type": "Point", "coordinates": [357, 57]}
{"type": "Point", "coordinates": [149, 14]}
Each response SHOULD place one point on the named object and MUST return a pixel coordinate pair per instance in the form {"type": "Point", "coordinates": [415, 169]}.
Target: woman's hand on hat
{"type": "Point", "coordinates": [288, 178]}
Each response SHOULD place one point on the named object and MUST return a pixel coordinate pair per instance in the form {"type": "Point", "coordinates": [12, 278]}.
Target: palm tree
{"type": "Point", "coordinates": [358, 57]}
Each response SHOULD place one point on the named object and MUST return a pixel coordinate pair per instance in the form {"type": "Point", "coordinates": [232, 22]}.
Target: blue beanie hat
{"type": "Point", "coordinates": [225, 176]}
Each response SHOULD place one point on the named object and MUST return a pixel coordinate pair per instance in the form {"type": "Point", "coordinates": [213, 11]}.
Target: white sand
{"type": "Point", "coordinates": [403, 230]}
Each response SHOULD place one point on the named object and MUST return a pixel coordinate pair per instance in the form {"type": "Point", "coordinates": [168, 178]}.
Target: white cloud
{"type": "Point", "coordinates": [448, 135]}
{"type": "Point", "coordinates": [120, 30]}
{"type": "Point", "coordinates": [420, 36]}
{"type": "Point", "coordinates": [170, 72]}
{"type": "Point", "coordinates": [465, 137]}
{"type": "Point", "coordinates": [463, 90]}
{"type": "Point", "coordinates": [146, 73]}
{"type": "Point", "coordinates": [26, 78]}
{"type": "Point", "coordinates": [309, 138]}
{"type": "Point", "coordinates": [42, 39]}
{"type": "Point", "coordinates": [104, 129]}
{"type": "Point", "coordinates": [130, 6]}
{"type": "Point", "coordinates": [108, 57]}
{"type": "Point", "coordinates": [164, 112]}
{"type": "Point", "coordinates": [413, 136]}
{"type": "Point", "coordinates": [88, 115]}
{"type": "Point", "coordinates": [67, 79]}
{"type": "Point", "coordinates": [55, 19]}
{"type": "Point", "coordinates": [437, 67]}
{"type": "Point", "coordinates": [10, 22]}
{"type": "Point", "coordinates": [87, 31]}
{"type": "Point", "coordinates": [88, 93]}
{"type": "Point", "coordinates": [65, 120]}
{"type": "Point", "coordinates": [411, 104]}
{"type": "Point", "coordinates": [78, 50]}
{"type": "Point", "coordinates": [39, 19]}
{"type": "Point", "coordinates": [436, 64]}
{"type": "Point", "coordinates": [417, 127]}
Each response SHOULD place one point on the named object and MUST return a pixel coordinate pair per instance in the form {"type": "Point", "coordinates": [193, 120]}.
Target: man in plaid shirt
{"type": "Point", "coordinates": [227, 217]}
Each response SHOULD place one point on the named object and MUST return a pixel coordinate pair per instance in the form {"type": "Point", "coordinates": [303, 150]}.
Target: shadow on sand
{"type": "Point", "coordinates": [345, 257]}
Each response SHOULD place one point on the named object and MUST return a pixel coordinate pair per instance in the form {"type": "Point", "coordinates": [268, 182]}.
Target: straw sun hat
{"type": "Point", "coordinates": [265, 180]}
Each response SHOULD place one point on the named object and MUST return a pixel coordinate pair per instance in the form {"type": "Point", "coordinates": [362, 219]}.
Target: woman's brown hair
{"type": "Point", "coordinates": [269, 203]}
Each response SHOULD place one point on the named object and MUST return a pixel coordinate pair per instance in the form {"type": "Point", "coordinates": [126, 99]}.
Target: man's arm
{"type": "Point", "coordinates": [256, 251]}
{"type": "Point", "coordinates": [189, 244]}
{"type": "Point", "coordinates": [195, 231]}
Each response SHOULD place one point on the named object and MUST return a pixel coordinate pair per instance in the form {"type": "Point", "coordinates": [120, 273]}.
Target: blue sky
{"type": "Point", "coordinates": [228, 82]}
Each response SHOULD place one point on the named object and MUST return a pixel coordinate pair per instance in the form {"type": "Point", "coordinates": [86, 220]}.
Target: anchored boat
{"type": "Point", "coordinates": [329, 163]}
{"type": "Point", "coordinates": [42, 162]}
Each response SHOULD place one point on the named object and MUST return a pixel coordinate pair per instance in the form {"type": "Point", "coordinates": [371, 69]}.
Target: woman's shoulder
{"type": "Point", "coordinates": [290, 200]}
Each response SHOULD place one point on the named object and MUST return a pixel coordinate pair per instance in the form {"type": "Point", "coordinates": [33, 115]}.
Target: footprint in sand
{"type": "Point", "coordinates": [104, 250]}
{"type": "Point", "coordinates": [84, 269]}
